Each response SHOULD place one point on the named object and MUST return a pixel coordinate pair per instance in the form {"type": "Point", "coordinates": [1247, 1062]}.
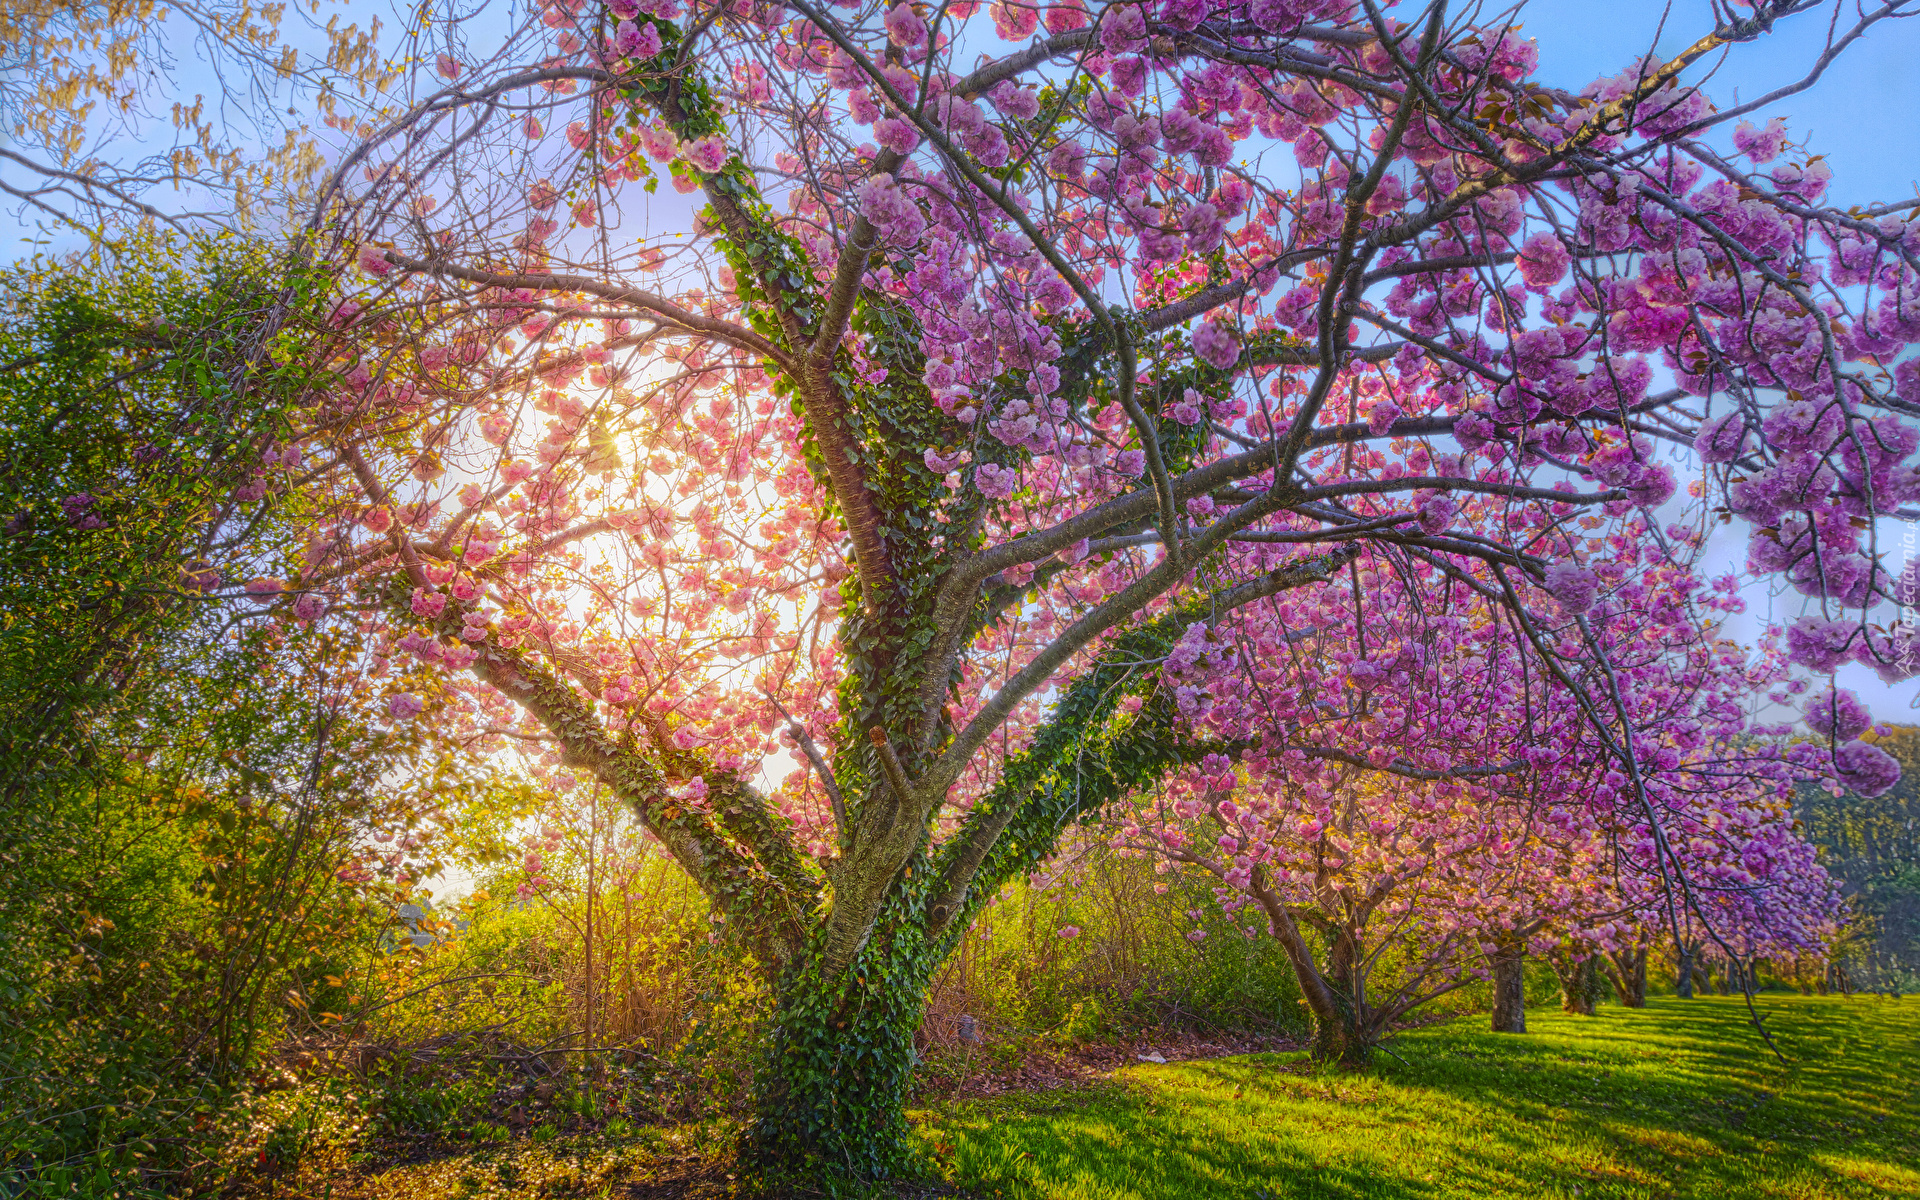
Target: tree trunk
{"type": "Point", "coordinates": [1339, 1032]}
{"type": "Point", "coordinates": [1579, 982]}
{"type": "Point", "coordinates": [1629, 972]}
{"type": "Point", "coordinates": [832, 1088]}
{"type": "Point", "coordinates": [1346, 1036]}
{"type": "Point", "coordinates": [1510, 987]}
{"type": "Point", "coordinates": [1683, 973]}
{"type": "Point", "coordinates": [1593, 982]}
{"type": "Point", "coordinates": [1340, 1037]}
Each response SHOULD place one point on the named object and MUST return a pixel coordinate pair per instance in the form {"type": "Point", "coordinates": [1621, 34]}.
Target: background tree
{"type": "Point", "coordinates": [107, 134]}
{"type": "Point", "coordinates": [139, 399]}
{"type": "Point", "coordinates": [182, 769]}
{"type": "Point", "coordinates": [1428, 805]}
{"type": "Point", "coordinates": [1870, 844]}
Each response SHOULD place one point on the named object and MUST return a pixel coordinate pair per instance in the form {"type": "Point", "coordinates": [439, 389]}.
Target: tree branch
{"type": "Point", "coordinates": [725, 331]}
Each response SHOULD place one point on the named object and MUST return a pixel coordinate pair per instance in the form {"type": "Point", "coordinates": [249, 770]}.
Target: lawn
{"type": "Point", "coordinates": [1677, 1100]}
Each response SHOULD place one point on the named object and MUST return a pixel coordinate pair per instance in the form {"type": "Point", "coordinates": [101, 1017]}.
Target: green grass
{"type": "Point", "coordinates": [1677, 1100]}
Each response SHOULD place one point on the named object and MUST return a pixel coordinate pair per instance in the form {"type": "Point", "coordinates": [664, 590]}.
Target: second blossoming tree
{"type": "Point", "coordinates": [1410, 789]}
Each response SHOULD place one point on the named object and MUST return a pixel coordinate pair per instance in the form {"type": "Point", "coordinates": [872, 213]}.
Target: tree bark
{"type": "Point", "coordinates": [1837, 981]}
{"type": "Point", "coordinates": [1351, 1043]}
{"type": "Point", "coordinates": [1510, 987]}
{"type": "Point", "coordinates": [1339, 1034]}
{"type": "Point", "coordinates": [1628, 969]}
{"type": "Point", "coordinates": [1683, 972]}
{"type": "Point", "coordinates": [1579, 982]}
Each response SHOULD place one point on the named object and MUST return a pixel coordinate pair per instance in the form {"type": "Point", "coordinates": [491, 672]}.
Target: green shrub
{"type": "Point", "coordinates": [1101, 949]}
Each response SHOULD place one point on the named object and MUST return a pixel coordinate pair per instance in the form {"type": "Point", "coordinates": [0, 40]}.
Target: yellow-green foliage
{"type": "Point", "coordinates": [1090, 950]}
{"type": "Point", "coordinates": [675, 1010]}
{"type": "Point", "coordinates": [664, 992]}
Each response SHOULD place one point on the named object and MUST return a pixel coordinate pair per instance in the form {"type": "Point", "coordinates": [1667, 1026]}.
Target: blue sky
{"type": "Point", "coordinates": [1863, 114]}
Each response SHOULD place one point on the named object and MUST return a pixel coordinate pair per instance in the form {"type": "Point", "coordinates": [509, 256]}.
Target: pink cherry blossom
{"type": "Point", "coordinates": [373, 261]}
{"type": "Point", "coordinates": [1543, 260]}
{"type": "Point", "coordinates": [1866, 768]}
{"type": "Point", "coordinates": [896, 134]}
{"type": "Point", "coordinates": [1837, 714]}
{"type": "Point", "coordinates": [1573, 585]}
{"type": "Point", "coordinates": [1216, 344]}
{"type": "Point", "coordinates": [904, 26]}
{"type": "Point", "coordinates": [707, 154]}
{"type": "Point", "coordinates": [404, 706]}
{"type": "Point", "coordinates": [1761, 144]}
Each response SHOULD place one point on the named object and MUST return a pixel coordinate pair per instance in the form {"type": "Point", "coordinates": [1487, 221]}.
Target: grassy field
{"type": "Point", "coordinates": [1677, 1100]}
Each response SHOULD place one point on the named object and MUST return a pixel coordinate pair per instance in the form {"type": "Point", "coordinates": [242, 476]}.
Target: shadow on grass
{"type": "Point", "coordinates": [1680, 1099]}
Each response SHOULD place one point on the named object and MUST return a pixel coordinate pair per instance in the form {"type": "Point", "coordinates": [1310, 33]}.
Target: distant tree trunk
{"type": "Point", "coordinates": [1579, 982]}
{"type": "Point", "coordinates": [1510, 986]}
{"type": "Point", "coordinates": [1683, 983]}
{"type": "Point", "coordinates": [1352, 1044]}
{"type": "Point", "coordinates": [1628, 970]}
{"type": "Point", "coordinates": [587, 1058]}
{"type": "Point", "coordinates": [1837, 980]}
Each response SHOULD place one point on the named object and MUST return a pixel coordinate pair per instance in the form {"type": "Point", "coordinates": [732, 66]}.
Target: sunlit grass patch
{"type": "Point", "coordinates": [1892, 1179]}
{"type": "Point", "coordinates": [1678, 1100]}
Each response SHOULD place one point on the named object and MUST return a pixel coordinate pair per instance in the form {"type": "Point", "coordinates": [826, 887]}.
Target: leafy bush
{"type": "Point", "coordinates": [178, 783]}
{"type": "Point", "coordinates": [1102, 947]}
